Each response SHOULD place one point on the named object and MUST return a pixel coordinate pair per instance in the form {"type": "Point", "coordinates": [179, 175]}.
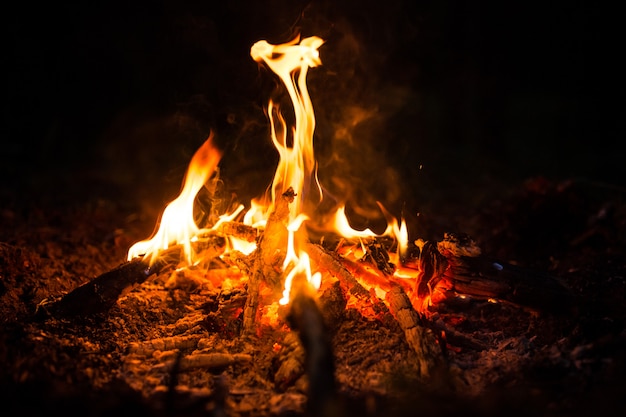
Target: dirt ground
{"type": "Point", "coordinates": [568, 360]}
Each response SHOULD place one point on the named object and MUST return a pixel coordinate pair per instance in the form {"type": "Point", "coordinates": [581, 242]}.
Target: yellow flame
{"type": "Point", "coordinates": [177, 225]}
{"type": "Point", "coordinates": [299, 263]}
{"type": "Point", "coordinates": [256, 215]}
{"type": "Point", "coordinates": [291, 61]}
{"type": "Point", "coordinates": [296, 166]}
{"type": "Point", "coordinates": [296, 170]}
{"type": "Point", "coordinates": [342, 226]}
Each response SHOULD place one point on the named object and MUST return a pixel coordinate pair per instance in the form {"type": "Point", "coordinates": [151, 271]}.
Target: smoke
{"type": "Point", "coordinates": [363, 85]}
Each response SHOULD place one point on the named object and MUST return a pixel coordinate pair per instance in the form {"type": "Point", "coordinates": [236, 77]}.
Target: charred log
{"type": "Point", "coordinates": [238, 230]}
{"type": "Point", "coordinates": [289, 362]}
{"type": "Point", "coordinates": [470, 273]}
{"type": "Point", "coordinates": [306, 318]}
{"type": "Point", "coordinates": [333, 303]}
{"type": "Point", "coordinates": [101, 293]}
{"type": "Point", "coordinates": [432, 267]}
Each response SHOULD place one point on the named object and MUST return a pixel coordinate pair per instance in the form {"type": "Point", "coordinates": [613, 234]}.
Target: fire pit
{"type": "Point", "coordinates": [277, 307]}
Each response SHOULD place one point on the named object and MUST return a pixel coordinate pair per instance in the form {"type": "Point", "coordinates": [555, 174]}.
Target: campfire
{"type": "Point", "coordinates": [278, 305]}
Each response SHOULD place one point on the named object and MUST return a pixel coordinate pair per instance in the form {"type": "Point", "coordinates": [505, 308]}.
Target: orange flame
{"type": "Point", "coordinates": [177, 226]}
{"type": "Point", "coordinates": [291, 61]}
{"type": "Point", "coordinates": [297, 264]}
{"type": "Point", "coordinates": [296, 170]}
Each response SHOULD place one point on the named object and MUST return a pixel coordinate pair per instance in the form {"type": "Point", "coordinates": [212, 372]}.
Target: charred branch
{"type": "Point", "coordinates": [510, 283]}
{"type": "Point", "coordinates": [306, 318]}
{"type": "Point", "coordinates": [101, 293]}
{"type": "Point", "coordinates": [238, 230]}
{"type": "Point", "coordinates": [290, 362]}
{"type": "Point", "coordinates": [470, 273]}
{"type": "Point", "coordinates": [212, 361]}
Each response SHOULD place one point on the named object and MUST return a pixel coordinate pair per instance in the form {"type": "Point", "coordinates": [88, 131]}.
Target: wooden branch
{"type": "Point", "coordinates": [212, 360]}
{"type": "Point", "coordinates": [101, 293]}
{"type": "Point", "coordinates": [470, 273]}
{"type": "Point", "coordinates": [238, 230]}
{"type": "Point", "coordinates": [306, 318]}
{"type": "Point", "coordinates": [326, 262]}
{"type": "Point", "coordinates": [269, 256]}
{"type": "Point", "coordinates": [421, 339]}
{"type": "Point", "coordinates": [179, 342]}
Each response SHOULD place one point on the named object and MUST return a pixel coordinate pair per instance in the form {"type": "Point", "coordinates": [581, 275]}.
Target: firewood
{"type": "Point", "coordinates": [432, 265]}
{"type": "Point", "coordinates": [148, 347]}
{"type": "Point", "coordinates": [327, 262]}
{"type": "Point", "coordinates": [333, 303]}
{"type": "Point", "coordinates": [470, 273]}
{"type": "Point", "coordinates": [212, 360]}
{"type": "Point", "coordinates": [420, 338]}
{"type": "Point", "coordinates": [306, 318]}
{"type": "Point", "coordinates": [268, 259]}
{"type": "Point", "coordinates": [101, 293]}
{"type": "Point", "coordinates": [370, 305]}
{"type": "Point", "coordinates": [290, 361]}
{"type": "Point", "coordinates": [238, 230]}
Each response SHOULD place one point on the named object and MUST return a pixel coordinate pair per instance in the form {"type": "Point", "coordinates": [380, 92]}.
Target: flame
{"type": "Point", "coordinates": [291, 61]}
{"type": "Point", "coordinates": [342, 226]}
{"type": "Point", "coordinates": [177, 225]}
{"type": "Point", "coordinates": [297, 264]}
{"type": "Point", "coordinates": [296, 170]}
{"type": "Point", "coordinates": [296, 166]}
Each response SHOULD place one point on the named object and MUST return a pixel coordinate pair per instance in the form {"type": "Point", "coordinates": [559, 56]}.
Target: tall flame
{"type": "Point", "coordinates": [296, 170]}
{"type": "Point", "coordinates": [177, 226]}
{"type": "Point", "coordinates": [296, 166]}
{"type": "Point", "coordinates": [291, 61]}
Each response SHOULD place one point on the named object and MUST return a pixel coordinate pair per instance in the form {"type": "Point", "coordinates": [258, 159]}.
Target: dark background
{"type": "Point", "coordinates": [441, 100]}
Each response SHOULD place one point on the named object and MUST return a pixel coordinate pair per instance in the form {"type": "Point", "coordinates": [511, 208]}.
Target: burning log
{"type": "Point", "coordinates": [238, 230]}
{"type": "Point", "coordinates": [268, 259]}
{"type": "Point", "coordinates": [101, 293]}
{"type": "Point", "coordinates": [328, 263]}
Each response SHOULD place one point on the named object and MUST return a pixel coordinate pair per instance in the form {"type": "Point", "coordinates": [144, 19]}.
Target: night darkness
{"type": "Point", "coordinates": [100, 97]}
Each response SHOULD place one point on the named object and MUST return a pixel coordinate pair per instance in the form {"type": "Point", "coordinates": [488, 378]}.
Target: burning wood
{"type": "Point", "coordinates": [268, 259]}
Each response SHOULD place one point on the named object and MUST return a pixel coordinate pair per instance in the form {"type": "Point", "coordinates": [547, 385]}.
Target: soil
{"type": "Point", "coordinates": [561, 361]}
